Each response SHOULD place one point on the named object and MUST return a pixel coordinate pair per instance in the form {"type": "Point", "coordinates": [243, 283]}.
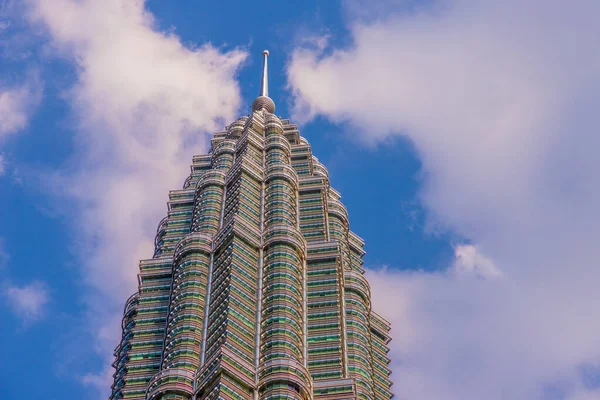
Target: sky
{"type": "Point", "coordinates": [462, 135]}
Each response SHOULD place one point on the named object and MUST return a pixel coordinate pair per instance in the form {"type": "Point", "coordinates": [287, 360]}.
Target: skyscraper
{"type": "Point", "coordinates": [256, 286]}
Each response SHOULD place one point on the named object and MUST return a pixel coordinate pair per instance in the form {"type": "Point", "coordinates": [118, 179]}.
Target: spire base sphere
{"type": "Point", "coordinates": [263, 102]}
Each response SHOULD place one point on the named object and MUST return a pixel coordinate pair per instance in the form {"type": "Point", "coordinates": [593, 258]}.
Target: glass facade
{"type": "Point", "coordinates": [256, 289]}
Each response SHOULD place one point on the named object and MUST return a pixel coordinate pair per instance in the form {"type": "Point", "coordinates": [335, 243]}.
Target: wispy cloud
{"type": "Point", "coordinates": [500, 100]}
{"type": "Point", "coordinates": [27, 302]}
{"type": "Point", "coordinates": [17, 103]}
{"type": "Point", "coordinates": [144, 103]}
{"type": "Point", "coordinates": [469, 261]}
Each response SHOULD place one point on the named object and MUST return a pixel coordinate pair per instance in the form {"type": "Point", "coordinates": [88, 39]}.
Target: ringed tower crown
{"type": "Point", "coordinates": [256, 287]}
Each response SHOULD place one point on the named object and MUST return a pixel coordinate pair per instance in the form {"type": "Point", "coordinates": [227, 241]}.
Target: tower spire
{"type": "Point", "coordinates": [264, 84]}
{"type": "Point", "coordinates": [263, 101]}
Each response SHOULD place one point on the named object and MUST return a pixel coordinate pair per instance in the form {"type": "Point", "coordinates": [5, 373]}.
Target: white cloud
{"type": "Point", "coordinates": [469, 261]}
{"type": "Point", "coordinates": [500, 100]}
{"type": "Point", "coordinates": [144, 103]}
{"type": "Point", "coordinates": [27, 302]}
{"type": "Point", "coordinates": [17, 103]}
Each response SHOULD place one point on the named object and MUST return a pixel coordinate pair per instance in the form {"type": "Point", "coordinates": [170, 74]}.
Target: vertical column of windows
{"type": "Point", "coordinates": [231, 321]}
{"type": "Point", "coordinates": [184, 329]}
{"type": "Point", "coordinates": [209, 196]}
{"type": "Point", "coordinates": [236, 129]}
{"type": "Point", "coordinates": [219, 300]}
{"type": "Point", "coordinates": [200, 164]}
{"type": "Point", "coordinates": [326, 329]}
{"type": "Point", "coordinates": [245, 261]}
{"type": "Point", "coordinates": [338, 227]}
{"type": "Point", "coordinates": [380, 330]}
{"type": "Point", "coordinates": [302, 160]}
{"type": "Point", "coordinates": [183, 337]}
{"type": "Point", "coordinates": [223, 154]}
{"type": "Point", "coordinates": [358, 307]}
{"type": "Point", "coordinates": [338, 232]}
{"type": "Point", "coordinates": [313, 194]}
{"type": "Point", "coordinates": [312, 215]}
{"type": "Point", "coordinates": [244, 208]}
{"type": "Point", "coordinates": [231, 325]}
{"type": "Point", "coordinates": [319, 169]}
{"type": "Point", "coordinates": [177, 223]}
{"type": "Point", "coordinates": [325, 341]}
{"type": "Point", "coordinates": [138, 356]}
{"type": "Point", "coordinates": [282, 373]}
{"type": "Point", "coordinates": [356, 252]}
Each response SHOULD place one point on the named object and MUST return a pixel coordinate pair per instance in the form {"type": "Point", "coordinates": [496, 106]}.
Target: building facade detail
{"type": "Point", "coordinates": [256, 289]}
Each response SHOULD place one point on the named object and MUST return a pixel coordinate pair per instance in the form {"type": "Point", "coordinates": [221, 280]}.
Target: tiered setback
{"type": "Point", "coordinates": [256, 288]}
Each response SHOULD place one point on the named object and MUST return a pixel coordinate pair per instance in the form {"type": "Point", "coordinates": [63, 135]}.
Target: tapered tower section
{"type": "Point", "coordinates": [256, 289]}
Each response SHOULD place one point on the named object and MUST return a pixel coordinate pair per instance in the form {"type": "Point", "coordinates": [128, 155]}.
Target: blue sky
{"type": "Point", "coordinates": [466, 127]}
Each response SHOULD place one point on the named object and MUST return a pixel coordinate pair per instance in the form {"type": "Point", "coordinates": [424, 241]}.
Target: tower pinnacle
{"type": "Point", "coordinates": [264, 101]}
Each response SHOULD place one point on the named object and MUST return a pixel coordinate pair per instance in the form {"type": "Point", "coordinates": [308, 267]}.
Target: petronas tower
{"type": "Point", "coordinates": [256, 287]}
